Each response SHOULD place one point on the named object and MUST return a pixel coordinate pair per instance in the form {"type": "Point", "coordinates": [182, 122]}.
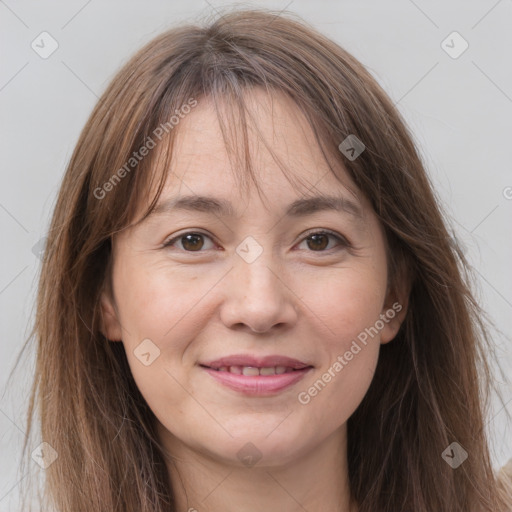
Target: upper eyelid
{"type": "Point", "coordinates": [341, 238]}
{"type": "Point", "coordinates": [190, 232]}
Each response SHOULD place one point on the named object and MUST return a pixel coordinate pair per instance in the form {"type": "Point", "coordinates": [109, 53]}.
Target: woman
{"type": "Point", "coordinates": [319, 350]}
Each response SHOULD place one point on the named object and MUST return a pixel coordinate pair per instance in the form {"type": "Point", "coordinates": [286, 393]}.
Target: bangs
{"type": "Point", "coordinates": [156, 89]}
{"type": "Point", "coordinates": [228, 96]}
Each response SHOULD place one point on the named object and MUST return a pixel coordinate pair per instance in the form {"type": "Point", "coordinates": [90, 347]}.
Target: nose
{"type": "Point", "coordinates": [258, 298]}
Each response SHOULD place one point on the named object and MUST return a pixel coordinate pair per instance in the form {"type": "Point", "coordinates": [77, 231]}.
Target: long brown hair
{"type": "Point", "coordinates": [432, 381]}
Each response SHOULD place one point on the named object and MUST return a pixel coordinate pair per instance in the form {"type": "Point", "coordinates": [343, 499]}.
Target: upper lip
{"type": "Point", "coordinates": [257, 362]}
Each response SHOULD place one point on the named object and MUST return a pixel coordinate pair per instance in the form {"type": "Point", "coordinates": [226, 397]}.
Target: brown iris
{"type": "Point", "coordinates": [190, 242]}
{"type": "Point", "coordinates": [320, 241]}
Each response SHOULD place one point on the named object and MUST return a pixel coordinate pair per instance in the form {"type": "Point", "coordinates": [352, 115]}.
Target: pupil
{"type": "Point", "coordinates": [187, 239]}
{"type": "Point", "coordinates": [315, 240]}
{"type": "Point", "coordinates": [190, 242]}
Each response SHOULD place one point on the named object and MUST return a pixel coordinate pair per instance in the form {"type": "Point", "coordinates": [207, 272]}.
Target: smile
{"type": "Point", "coordinates": [258, 377]}
{"type": "Point", "coordinates": [252, 371]}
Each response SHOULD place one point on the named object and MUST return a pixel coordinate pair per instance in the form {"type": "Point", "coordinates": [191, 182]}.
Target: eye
{"type": "Point", "coordinates": [319, 240]}
{"type": "Point", "coordinates": [191, 241]}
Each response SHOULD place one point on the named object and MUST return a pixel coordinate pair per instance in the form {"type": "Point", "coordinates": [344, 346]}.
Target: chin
{"type": "Point", "coordinates": [264, 446]}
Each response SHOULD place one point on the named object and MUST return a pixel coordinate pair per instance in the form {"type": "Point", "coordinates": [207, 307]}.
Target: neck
{"type": "Point", "coordinates": [316, 480]}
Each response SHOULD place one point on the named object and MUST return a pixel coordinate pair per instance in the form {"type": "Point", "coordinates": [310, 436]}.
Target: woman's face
{"type": "Point", "coordinates": [250, 334]}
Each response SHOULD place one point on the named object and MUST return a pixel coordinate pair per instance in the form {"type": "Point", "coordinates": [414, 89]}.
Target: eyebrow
{"type": "Point", "coordinates": [222, 207]}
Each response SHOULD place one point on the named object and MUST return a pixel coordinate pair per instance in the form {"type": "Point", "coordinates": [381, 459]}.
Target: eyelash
{"type": "Point", "coordinates": [343, 242]}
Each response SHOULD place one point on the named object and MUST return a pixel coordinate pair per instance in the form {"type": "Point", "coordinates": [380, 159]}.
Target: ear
{"type": "Point", "coordinates": [110, 325]}
{"type": "Point", "coordinates": [394, 310]}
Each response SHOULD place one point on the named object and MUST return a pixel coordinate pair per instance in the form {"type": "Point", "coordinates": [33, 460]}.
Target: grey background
{"type": "Point", "coordinates": [459, 111]}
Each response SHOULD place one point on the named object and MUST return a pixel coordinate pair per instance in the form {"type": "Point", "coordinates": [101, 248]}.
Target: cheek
{"type": "Point", "coordinates": [158, 303]}
{"type": "Point", "coordinates": [337, 388]}
{"type": "Point", "coordinates": [159, 316]}
{"type": "Point", "coordinates": [349, 304]}
{"type": "Point", "coordinates": [346, 301]}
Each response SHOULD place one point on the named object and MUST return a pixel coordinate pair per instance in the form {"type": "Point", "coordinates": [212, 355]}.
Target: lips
{"type": "Point", "coordinates": [244, 361]}
{"type": "Point", "coordinates": [253, 371]}
{"type": "Point", "coordinates": [257, 375]}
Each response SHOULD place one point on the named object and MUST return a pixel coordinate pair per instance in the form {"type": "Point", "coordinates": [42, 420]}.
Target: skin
{"type": "Point", "coordinates": [293, 300]}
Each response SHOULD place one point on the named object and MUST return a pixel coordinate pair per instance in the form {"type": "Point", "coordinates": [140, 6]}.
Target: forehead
{"type": "Point", "coordinates": [281, 147]}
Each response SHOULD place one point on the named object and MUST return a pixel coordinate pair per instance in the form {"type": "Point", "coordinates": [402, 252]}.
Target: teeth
{"type": "Point", "coordinates": [252, 371]}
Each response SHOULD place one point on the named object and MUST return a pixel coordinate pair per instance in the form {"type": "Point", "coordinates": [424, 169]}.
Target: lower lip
{"type": "Point", "coordinates": [260, 385]}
